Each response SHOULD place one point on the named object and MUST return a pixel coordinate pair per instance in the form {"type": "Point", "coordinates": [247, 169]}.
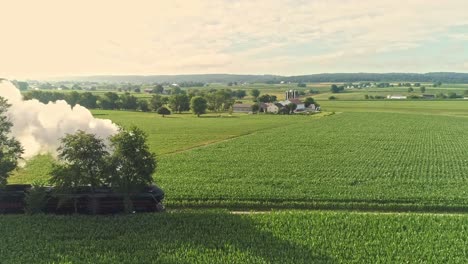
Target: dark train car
{"type": "Point", "coordinates": [12, 198]}
{"type": "Point", "coordinates": [82, 200]}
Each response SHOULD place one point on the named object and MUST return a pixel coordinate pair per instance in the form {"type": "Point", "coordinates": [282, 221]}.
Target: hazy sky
{"type": "Point", "coordinates": [55, 38]}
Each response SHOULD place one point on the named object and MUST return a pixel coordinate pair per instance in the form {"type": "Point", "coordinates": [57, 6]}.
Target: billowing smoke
{"type": "Point", "coordinates": [39, 126]}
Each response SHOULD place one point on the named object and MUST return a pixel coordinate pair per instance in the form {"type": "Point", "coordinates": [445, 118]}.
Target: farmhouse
{"type": "Point", "coordinates": [274, 107]}
{"type": "Point", "coordinates": [242, 108]}
{"type": "Point", "coordinates": [300, 105]}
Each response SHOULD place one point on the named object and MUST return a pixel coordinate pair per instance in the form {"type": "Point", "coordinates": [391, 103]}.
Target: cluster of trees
{"type": "Point", "coordinates": [451, 95]}
{"type": "Point", "coordinates": [22, 86]}
{"type": "Point", "coordinates": [179, 100]}
{"type": "Point", "coordinates": [378, 97]}
{"type": "Point", "coordinates": [126, 165]}
{"type": "Point", "coordinates": [422, 89]}
{"type": "Point", "coordinates": [336, 89]}
{"type": "Point", "coordinates": [83, 160]}
{"type": "Point", "coordinates": [191, 84]}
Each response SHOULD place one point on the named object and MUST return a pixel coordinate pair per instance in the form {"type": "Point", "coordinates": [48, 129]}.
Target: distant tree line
{"type": "Point", "coordinates": [433, 77]}
{"type": "Point", "coordinates": [217, 100]}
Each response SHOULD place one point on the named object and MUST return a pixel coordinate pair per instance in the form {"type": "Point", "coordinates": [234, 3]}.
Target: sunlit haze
{"type": "Point", "coordinates": [61, 38]}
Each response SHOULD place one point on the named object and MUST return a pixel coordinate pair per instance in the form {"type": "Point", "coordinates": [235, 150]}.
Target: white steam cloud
{"type": "Point", "coordinates": [39, 126]}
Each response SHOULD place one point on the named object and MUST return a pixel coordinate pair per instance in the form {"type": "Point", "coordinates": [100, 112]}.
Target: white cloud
{"type": "Point", "coordinates": [53, 37]}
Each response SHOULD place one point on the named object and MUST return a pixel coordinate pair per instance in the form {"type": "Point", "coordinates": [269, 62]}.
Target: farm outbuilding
{"type": "Point", "coordinates": [242, 108]}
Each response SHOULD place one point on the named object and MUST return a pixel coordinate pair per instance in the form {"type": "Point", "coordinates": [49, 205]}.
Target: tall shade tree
{"type": "Point", "coordinates": [255, 93]}
{"type": "Point", "coordinates": [163, 111]}
{"type": "Point", "coordinates": [132, 163]}
{"type": "Point", "coordinates": [198, 105]}
{"type": "Point", "coordinates": [82, 159]}
{"type": "Point", "coordinates": [309, 100]}
{"type": "Point", "coordinates": [179, 102]}
{"type": "Point", "coordinates": [10, 148]}
{"type": "Point", "coordinates": [156, 102]}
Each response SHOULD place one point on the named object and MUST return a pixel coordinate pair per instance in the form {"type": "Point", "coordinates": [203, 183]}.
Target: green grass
{"type": "Point", "coordinates": [180, 132]}
{"type": "Point", "coordinates": [37, 168]}
{"type": "Point", "coordinates": [220, 237]}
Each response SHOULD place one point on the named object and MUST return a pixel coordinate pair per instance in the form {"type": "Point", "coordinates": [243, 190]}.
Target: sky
{"type": "Point", "coordinates": [51, 38]}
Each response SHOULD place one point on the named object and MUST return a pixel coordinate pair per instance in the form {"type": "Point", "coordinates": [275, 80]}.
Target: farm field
{"type": "Point", "coordinates": [174, 133]}
{"type": "Point", "coordinates": [221, 237]}
{"type": "Point", "coordinates": [349, 160]}
{"type": "Point", "coordinates": [370, 161]}
{"type": "Point", "coordinates": [448, 108]}
{"type": "Point", "coordinates": [379, 156]}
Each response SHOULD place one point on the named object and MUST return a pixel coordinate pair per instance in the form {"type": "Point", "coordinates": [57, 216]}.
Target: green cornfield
{"type": "Point", "coordinates": [221, 237]}
{"type": "Point", "coordinates": [348, 160]}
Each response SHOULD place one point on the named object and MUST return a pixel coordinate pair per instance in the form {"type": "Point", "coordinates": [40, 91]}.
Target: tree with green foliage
{"type": "Point", "coordinates": [335, 89]}
{"type": "Point", "coordinates": [309, 101]}
{"type": "Point", "coordinates": [266, 98]}
{"type": "Point", "coordinates": [198, 105]}
{"type": "Point", "coordinates": [10, 148]}
{"type": "Point", "coordinates": [163, 111]}
{"type": "Point", "coordinates": [410, 90]}
{"type": "Point", "coordinates": [255, 108]}
{"type": "Point", "coordinates": [110, 101]}
{"type": "Point", "coordinates": [143, 105]}
{"type": "Point", "coordinates": [158, 89]}
{"type": "Point", "coordinates": [88, 100]}
{"type": "Point", "coordinates": [313, 91]}
{"type": "Point", "coordinates": [179, 103]}
{"type": "Point", "coordinates": [422, 89]}
{"type": "Point", "coordinates": [240, 94]}
{"type": "Point", "coordinates": [82, 161]}
{"type": "Point", "coordinates": [129, 102]}
{"type": "Point", "coordinates": [291, 107]}
{"type": "Point", "coordinates": [303, 85]}
{"type": "Point", "coordinates": [132, 164]}
{"type": "Point", "coordinates": [156, 102]}
{"type": "Point", "coordinates": [255, 93]}
{"type": "Point", "coordinates": [22, 86]}
{"type": "Point", "coordinates": [219, 100]}
{"type": "Point", "coordinates": [176, 90]}
{"type": "Point", "coordinates": [441, 95]}
{"type": "Point", "coordinates": [72, 98]}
